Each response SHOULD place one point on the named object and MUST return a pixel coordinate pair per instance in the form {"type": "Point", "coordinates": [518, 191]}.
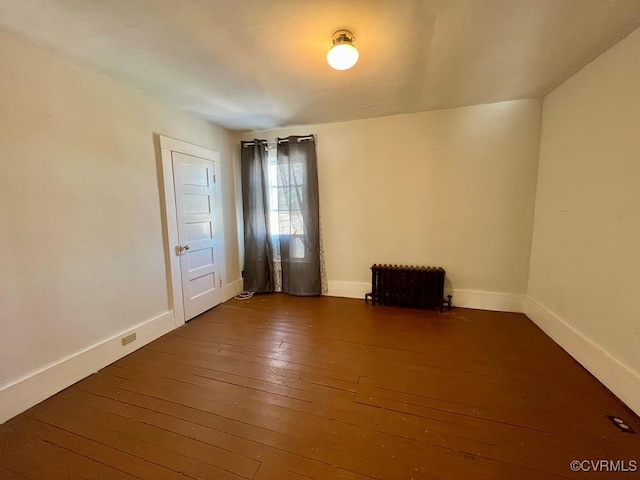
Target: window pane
{"type": "Point", "coordinates": [297, 248]}
{"type": "Point", "coordinates": [285, 190]}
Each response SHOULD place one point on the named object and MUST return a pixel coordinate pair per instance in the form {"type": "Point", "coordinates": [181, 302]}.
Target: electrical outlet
{"type": "Point", "coordinates": [621, 424]}
{"type": "Point", "coordinates": [126, 340]}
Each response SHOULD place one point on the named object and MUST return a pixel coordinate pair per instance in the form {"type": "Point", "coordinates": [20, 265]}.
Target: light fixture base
{"type": "Point", "coordinates": [343, 36]}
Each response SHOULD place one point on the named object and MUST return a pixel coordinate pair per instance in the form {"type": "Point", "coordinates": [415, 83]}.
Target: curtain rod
{"type": "Point", "coordinates": [279, 140]}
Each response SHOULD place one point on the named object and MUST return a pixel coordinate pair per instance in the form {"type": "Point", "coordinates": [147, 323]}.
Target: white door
{"type": "Point", "coordinates": [198, 232]}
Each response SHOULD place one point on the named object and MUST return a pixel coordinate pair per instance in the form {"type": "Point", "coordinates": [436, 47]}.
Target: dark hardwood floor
{"type": "Point", "coordinates": [278, 387]}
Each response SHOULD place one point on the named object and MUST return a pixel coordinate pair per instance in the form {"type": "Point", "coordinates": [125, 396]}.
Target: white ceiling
{"type": "Point", "coordinates": [258, 64]}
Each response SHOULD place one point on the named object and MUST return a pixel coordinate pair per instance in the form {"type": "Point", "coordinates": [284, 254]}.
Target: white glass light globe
{"type": "Point", "coordinates": [342, 56]}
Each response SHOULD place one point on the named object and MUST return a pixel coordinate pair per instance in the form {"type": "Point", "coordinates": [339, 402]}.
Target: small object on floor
{"type": "Point", "coordinates": [244, 295]}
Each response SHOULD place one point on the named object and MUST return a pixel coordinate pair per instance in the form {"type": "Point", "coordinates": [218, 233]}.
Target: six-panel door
{"type": "Point", "coordinates": [194, 180]}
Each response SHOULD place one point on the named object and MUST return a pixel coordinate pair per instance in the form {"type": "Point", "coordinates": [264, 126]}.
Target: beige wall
{"type": "Point", "coordinates": [584, 286]}
{"type": "Point", "coordinates": [452, 188]}
{"type": "Point", "coordinates": [81, 240]}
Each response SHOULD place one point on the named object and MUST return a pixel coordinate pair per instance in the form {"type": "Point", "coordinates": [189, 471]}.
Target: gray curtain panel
{"type": "Point", "coordinates": [258, 252]}
{"type": "Point", "coordinates": [298, 215]}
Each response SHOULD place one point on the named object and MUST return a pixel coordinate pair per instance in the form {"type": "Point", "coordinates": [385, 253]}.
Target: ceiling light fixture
{"type": "Point", "coordinates": [343, 55]}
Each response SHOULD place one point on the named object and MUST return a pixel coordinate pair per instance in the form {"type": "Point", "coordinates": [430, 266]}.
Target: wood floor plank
{"type": "Point", "coordinates": [97, 427]}
{"type": "Point", "coordinates": [242, 437]}
{"type": "Point", "coordinates": [317, 388]}
{"type": "Point", "coordinates": [294, 437]}
{"type": "Point", "coordinates": [275, 473]}
{"type": "Point", "coordinates": [39, 458]}
{"type": "Point", "coordinates": [122, 461]}
{"type": "Point", "coordinates": [512, 411]}
{"type": "Point", "coordinates": [345, 441]}
{"type": "Point", "coordinates": [6, 474]}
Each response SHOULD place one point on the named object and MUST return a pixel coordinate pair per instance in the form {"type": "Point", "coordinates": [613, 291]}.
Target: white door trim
{"type": "Point", "coordinates": [168, 145]}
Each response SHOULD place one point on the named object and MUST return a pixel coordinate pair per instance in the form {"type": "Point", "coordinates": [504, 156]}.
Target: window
{"type": "Point", "coordinates": [285, 221]}
{"type": "Point", "coordinates": [273, 192]}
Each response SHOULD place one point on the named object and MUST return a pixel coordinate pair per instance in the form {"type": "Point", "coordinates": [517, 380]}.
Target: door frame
{"type": "Point", "coordinates": [167, 146]}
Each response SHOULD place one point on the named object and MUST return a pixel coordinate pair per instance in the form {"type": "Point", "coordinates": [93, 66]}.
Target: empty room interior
{"type": "Point", "coordinates": [320, 239]}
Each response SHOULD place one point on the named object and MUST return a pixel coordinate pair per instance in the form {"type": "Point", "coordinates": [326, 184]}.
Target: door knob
{"type": "Point", "coordinates": [182, 249]}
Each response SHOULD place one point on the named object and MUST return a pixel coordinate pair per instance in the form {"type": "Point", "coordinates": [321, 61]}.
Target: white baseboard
{"type": "Point", "coordinates": [622, 380]}
{"type": "Point", "coordinates": [495, 301]}
{"type": "Point", "coordinates": [339, 288]}
{"type": "Point", "coordinates": [232, 289]}
{"type": "Point", "coordinates": [18, 396]}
